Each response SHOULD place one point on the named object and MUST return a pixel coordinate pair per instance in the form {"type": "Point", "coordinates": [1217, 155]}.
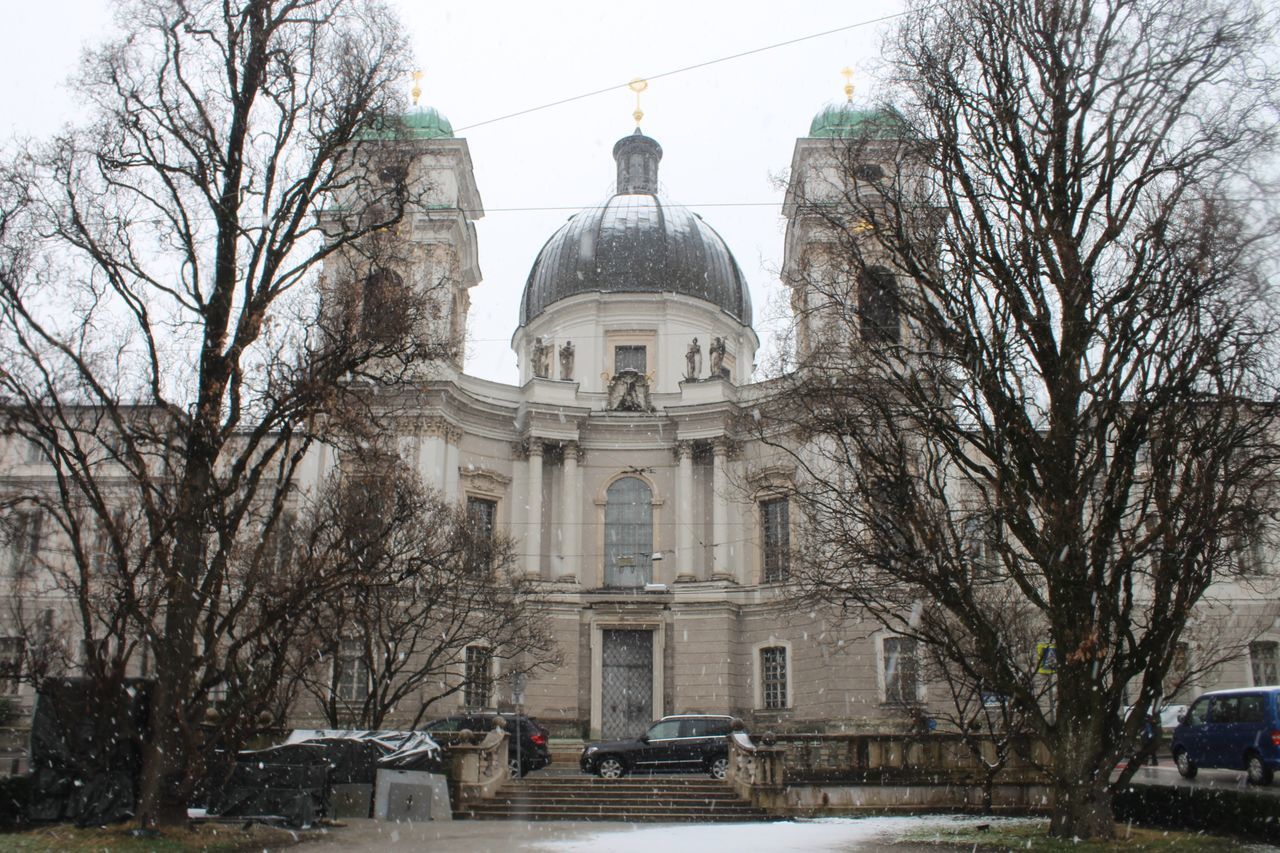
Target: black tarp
{"type": "Point", "coordinates": [294, 781]}
{"type": "Point", "coordinates": [86, 750]}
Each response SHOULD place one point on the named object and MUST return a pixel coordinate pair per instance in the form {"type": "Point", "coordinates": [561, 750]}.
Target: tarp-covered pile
{"type": "Point", "coordinates": [86, 750]}
{"type": "Point", "coordinates": [294, 782]}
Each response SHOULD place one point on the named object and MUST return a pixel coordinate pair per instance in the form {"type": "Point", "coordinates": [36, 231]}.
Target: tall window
{"type": "Point", "coordinates": [483, 514]}
{"type": "Point", "coordinates": [478, 692]}
{"type": "Point", "coordinates": [1264, 660]}
{"type": "Point", "coordinates": [351, 671]}
{"type": "Point", "coordinates": [27, 529]}
{"type": "Point", "coordinates": [628, 533]}
{"type": "Point", "coordinates": [773, 677]}
{"type": "Point", "coordinates": [630, 358]}
{"type": "Point", "coordinates": [11, 652]}
{"type": "Point", "coordinates": [775, 525]}
{"type": "Point", "coordinates": [878, 306]}
{"type": "Point", "coordinates": [901, 670]}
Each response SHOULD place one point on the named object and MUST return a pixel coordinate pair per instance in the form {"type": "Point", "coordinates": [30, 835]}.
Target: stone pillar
{"type": "Point", "coordinates": [570, 518]}
{"type": "Point", "coordinates": [720, 512]}
{"type": "Point", "coordinates": [452, 437]}
{"type": "Point", "coordinates": [533, 531]}
{"type": "Point", "coordinates": [686, 569]}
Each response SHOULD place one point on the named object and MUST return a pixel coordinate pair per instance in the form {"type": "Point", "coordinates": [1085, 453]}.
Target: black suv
{"type": "Point", "coordinates": [527, 750]}
{"type": "Point", "coordinates": [683, 742]}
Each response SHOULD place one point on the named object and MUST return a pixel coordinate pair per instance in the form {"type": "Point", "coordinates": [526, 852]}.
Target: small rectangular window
{"type": "Point", "coordinates": [901, 671]}
{"type": "Point", "coordinates": [773, 677]}
{"type": "Point", "coordinates": [775, 523]}
{"type": "Point", "coordinates": [479, 677]}
{"type": "Point", "coordinates": [630, 358]}
{"type": "Point", "coordinates": [351, 675]}
{"type": "Point", "coordinates": [1264, 660]}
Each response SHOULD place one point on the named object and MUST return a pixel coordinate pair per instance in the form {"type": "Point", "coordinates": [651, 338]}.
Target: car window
{"type": "Point", "coordinates": [1251, 710]}
{"type": "Point", "coordinates": [664, 730]}
{"type": "Point", "coordinates": [1199, 711]}
{"type": "Point", "coordinates": [1224, 709]}
{"type": "Point", "coordinates": [705, 728]}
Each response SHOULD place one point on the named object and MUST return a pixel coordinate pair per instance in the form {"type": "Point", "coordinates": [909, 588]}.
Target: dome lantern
{"type": "Point", "coordinates": [637, 156]}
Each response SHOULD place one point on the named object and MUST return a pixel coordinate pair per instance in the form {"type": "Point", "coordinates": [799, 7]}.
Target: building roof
{"type": "Point", "coordinates": [846, 119]}
{"type": "Point", "coordinates": [636, 242]}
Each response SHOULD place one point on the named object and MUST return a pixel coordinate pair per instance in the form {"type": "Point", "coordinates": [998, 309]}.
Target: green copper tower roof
{"type": "Point", "coordinates": [418, 123]}
{"type": "Point", "coordinates": [846, 120]}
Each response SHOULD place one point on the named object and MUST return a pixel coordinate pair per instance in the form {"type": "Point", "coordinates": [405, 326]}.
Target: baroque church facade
{"type": "Point", "coordinates": [659, 534]}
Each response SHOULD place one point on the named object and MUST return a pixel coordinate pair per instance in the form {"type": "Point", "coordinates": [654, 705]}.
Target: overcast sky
{"type": "Point", "coordinates": [727, 129]}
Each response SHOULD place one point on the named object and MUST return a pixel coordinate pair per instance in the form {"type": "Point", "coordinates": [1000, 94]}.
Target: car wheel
{"type": "Point", "coordinates": [1186, 767]}
{"type": "Point", "coordinates": [1259, 772]}
{"type": "Point", "coordinates": [718, 767]}
{"type": "Point", "coordinates": [610, 768]}
{"type": "Point", "coordinates": [513, 768]}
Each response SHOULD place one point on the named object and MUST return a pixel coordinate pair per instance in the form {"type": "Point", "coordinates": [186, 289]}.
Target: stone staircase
{"type": "Point", "coordinates": [654, 799]}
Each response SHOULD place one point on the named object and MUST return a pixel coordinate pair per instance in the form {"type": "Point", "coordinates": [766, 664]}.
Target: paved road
{"type": "Point", "coordinates": [1167, 774]}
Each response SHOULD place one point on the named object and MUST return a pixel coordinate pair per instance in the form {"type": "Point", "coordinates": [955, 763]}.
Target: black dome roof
{"type": "Point", "coordinates": [637, 242]}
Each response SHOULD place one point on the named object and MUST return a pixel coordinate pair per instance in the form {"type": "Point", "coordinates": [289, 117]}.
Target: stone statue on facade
{"type": "Point", "coordinates": [566, 361]}
{"type": "Point", "coordinates": [693, 360]}
{"type": "Point", "coordinates": [541, 358]}
{"type": "Point", "coordinates": [629, 392]}
{"type": "Point", "coordinates": [717, 350]}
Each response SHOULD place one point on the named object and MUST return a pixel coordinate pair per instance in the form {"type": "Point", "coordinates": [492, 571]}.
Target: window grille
{"type": "Point", "coordinates": [773, 677]}
{"type": "Point", "coordinates": [775, 519]}
{"type": "Point", "coordinates": [479, 676]}
{"type": "Point", "coordinates": [1264, 660]}
{"type": "Point", "coordinates": [630, 358]}
{"type": "Point", "coordinates": [901, 671]}
{"type": "Point", "coordinates": [628, 533]}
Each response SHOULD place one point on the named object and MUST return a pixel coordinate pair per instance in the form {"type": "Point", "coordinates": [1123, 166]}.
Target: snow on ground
{"type": "Point", "coordinates": [793, 836]}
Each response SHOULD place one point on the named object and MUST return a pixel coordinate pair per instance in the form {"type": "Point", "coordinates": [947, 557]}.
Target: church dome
{"type": "Point", "coordinates": [636, 242]}
{"type": "Point", "coordinates": [418, 123]}
{"type": "Point", "coordinates": [844, 120]}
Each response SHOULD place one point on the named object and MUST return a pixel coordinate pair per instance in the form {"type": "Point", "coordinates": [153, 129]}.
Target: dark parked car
{"type": "Point", "coordinates": [689, 742]}
{"type": "Point", "coordinates": [528, 748]}
{"type": "Point", "coordinates": [1235, 729]}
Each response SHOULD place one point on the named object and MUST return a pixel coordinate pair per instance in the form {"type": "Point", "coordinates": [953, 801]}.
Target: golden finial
{"type": "Point", "coordinates": [848, 83]}
{"type": "Point", "coordinates": [638, 85]}
{"type": "Point", "coordinates": [417, 87]}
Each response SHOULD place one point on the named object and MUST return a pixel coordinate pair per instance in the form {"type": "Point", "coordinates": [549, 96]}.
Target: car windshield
{"type": "Point", "coordinates": [1198, 712]}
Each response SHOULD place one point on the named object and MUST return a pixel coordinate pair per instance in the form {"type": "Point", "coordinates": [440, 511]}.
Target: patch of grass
{"type": "Point", "coordinates": [204, 837]}
{"type": "Point", "coordinates": [1034, 835]}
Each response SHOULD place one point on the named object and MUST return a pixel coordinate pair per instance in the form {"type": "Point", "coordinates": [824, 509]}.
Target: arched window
{"type": "Point", "coordinates": [628, 533]}
{"type": "Point", "coordinates": [878, 305]}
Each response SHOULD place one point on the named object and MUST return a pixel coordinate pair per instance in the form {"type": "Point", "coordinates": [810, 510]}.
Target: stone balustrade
{"type": "Point", "coordinates": [820, 772]}
{"type": "Point", "coordinates": [477, 768]}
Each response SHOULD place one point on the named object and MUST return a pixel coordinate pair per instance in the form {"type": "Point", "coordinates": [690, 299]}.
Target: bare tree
{"type": "Point", "coordinates": [423, 583]}
{"type": "Point", "coordinates": [1039, 314]}
{"type": "Point", "coordinates": [167, 344]}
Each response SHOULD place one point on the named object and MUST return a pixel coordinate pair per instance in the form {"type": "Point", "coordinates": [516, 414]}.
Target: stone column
{"type": "Point", "coordinates": [533, 532]}
{"type": "Point", "coordinates": [686, 570]}
{"type": "Point", "coordinates": [452, 437]}
{"type": "Point", "coordinates": [720, 512]}
{"type": "Point", "coordinates": [570, 518]}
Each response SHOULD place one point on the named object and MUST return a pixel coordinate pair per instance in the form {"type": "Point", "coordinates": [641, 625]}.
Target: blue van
{"type": "Point", "coordinates": [1234, 729]}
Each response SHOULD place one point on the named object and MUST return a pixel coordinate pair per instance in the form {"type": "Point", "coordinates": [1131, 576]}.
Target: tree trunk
{"type": "Point", "coordinates": [1082, 811]}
